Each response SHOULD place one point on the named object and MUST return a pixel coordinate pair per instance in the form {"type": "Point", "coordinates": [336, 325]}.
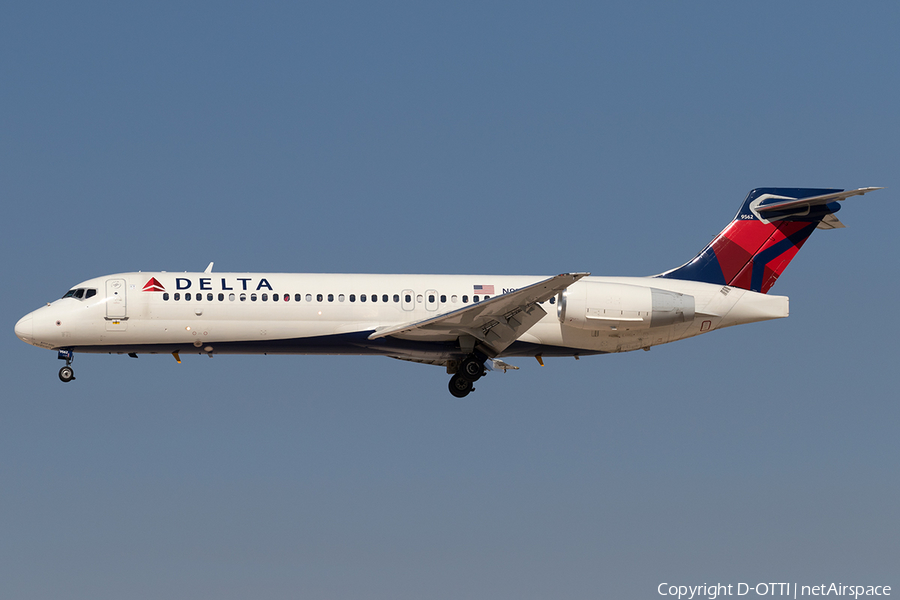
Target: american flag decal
{"type": "Point", "coordinates": [484, 289]}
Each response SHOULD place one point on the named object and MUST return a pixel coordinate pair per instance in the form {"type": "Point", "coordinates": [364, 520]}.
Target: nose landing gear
{"type": "Point", "coordinates": [66, 374]}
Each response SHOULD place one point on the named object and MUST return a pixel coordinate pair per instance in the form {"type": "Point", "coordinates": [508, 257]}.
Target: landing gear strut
{"type": "Point", "coordinates": [470, 370]}
{"type": "Point", "coordinates": [66, 374]}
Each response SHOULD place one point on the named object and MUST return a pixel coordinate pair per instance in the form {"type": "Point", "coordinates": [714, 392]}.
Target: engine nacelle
{"type": "Point", "coordinates": [617, 306]}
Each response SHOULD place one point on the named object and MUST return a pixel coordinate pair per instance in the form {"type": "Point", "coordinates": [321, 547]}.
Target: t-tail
{"type": "Point", "coordinates": [768, 231]}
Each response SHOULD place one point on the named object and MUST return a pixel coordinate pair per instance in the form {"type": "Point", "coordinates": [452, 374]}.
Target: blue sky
{"type": "Point", "coordinates": [426, 137]}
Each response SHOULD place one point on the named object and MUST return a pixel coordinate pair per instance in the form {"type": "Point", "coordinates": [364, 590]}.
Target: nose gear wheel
{"type": "Point", "coordinates": [66, 374]}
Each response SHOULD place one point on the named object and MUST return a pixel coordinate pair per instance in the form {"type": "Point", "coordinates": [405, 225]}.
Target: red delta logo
{"type": "Point", "coordinates": [154, 286]}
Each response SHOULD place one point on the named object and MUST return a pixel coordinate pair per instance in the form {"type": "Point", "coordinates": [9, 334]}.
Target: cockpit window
{"type": "Point", "coordinates": [81, 293]}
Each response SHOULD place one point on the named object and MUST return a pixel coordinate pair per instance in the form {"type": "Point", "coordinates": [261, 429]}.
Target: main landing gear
{"type": "Point", "coordinates": [470, 370]}
{"type": "Point", "coordinates": [460, 387]}
{"type": "Point", "coordinates": [66, 374]}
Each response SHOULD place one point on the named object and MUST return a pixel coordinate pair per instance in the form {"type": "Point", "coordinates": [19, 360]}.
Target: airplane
{"type": "Point", "coordinates": [465, 323]}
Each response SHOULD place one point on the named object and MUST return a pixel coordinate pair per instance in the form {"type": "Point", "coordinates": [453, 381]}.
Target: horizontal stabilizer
{"type": "Point", "coordinates": [776, 203]}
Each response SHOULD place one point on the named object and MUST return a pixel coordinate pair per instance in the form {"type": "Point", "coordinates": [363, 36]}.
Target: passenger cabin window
{"type": "Point", "coordinates": [177, 296]}
{"type": "Point", "coordinates": [252, 297]}
{"type": "Point", "coordinates": [187, 296]}
{"type": "Point", "coordinates": [340, 298]}
{"type": "Point", "coordinates": [231, 297]}
{"type": "Point", "coordinates": [443, 298]}
{"type": "Point", "coordinates": [309, 297]}
{"type": "Point", "coordinates": [352, 297]}
{"type": "Point", "coordinates": [475, 299]}
{"type": "Point", "coordinates": [265, 297]}
{"type": "Point", "coordinates": [431, 297]}
{"type": "Point", "coordinates": [466, 300]}
{"type": "Point", "coordinates": [297, 297]}
{"type": "Point", "coordinates": [221, 297]}
{"type": "Point", "coordinates": [209, 296]}
{"type": "Point", "coordinates": [374, 297]}
{"type": "Point", "coordinates": [362, 297]}
{"type": "Point", "coordinates": [243, 297]}
{"type": "Point", "coordinates": [165, 295]}
{"type": "Point", "coordinates": [331, 297]}
{"type": "Point", "coordinates": [396, 297]}
{"type": "Point", "coordinates": [408, 298]}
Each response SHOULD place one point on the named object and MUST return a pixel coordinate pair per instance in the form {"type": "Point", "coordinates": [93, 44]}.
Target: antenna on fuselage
{"type": "Point", "coordinates": [208, 268]}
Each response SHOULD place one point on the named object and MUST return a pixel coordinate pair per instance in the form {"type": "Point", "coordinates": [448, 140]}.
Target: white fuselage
{"type": "Point", "coordinates": [335, 313]}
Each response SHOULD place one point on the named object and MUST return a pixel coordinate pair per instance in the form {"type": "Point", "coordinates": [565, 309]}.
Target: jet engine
{"type": "Point", "coordinates": [617, 306]}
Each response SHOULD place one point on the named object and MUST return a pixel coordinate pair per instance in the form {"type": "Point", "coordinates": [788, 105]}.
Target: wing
{"type": "Point", "coordinates": [495, 323]}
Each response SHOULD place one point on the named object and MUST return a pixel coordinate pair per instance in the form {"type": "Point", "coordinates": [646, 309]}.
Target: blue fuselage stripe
{"type": "Point", "coordinates": [357, 343]}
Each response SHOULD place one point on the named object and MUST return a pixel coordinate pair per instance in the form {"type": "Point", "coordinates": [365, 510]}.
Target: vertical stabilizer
{"type": "Point", "coordinates": [765, 235]}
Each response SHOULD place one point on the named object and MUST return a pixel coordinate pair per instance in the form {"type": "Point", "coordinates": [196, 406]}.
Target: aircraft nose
{"type": "Point", "coordinates": [25, 329]}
